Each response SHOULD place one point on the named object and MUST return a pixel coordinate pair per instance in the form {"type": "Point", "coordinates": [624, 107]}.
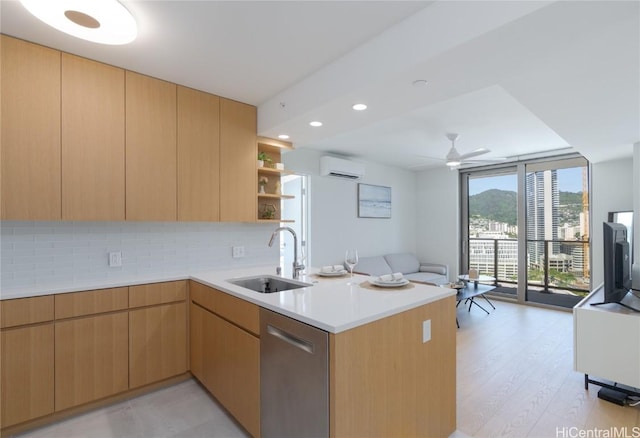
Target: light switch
{"type": "Point", "coordinates": [426, 331]}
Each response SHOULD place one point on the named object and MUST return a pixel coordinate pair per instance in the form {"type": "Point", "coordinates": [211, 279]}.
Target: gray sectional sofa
{"type": "Point", "coordinates": [408, 264]}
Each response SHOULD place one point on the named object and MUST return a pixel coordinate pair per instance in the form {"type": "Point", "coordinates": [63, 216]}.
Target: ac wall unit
{"type": "Point", "coordinates": [341, 168]}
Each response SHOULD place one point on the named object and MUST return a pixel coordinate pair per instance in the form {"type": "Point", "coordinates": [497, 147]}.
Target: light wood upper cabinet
{"type": "Point", "coordinates": [30, 109]}
{"type": "Point", "coordinates": [27, 373]}
{"type": "Point", "coordinates": [91, 358]}
{"type": "Point", "coordinates": [92, 140]}
{"type": "Point", "coordinates": [150, 149]}
{"type": "Point", "coordinates": [198, 156]}
{"type": "Point", "coordinates": [238, 155]}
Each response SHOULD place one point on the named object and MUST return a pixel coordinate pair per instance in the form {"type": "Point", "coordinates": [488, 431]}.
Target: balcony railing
{"type": "Point", "coordinates": [552, 266]}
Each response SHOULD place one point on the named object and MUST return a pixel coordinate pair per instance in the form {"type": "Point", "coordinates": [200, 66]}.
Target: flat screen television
{"type": "Point", "coordinates": [617, 264]}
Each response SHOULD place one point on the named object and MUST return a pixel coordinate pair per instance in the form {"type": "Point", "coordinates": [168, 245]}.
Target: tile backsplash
{"type": "Point", "coordinates": [39, 254]}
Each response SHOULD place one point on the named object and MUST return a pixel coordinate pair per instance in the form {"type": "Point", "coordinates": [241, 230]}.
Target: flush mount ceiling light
{"type": "Point", "coordinates": [99, 21]}
{"type": "Point", "coordinates": [315, 123]}
{"type": "Point", "coordinates": [419, 83]}
{"type": "Point", "coordinates": [283, 137]}
{"type": "Point", "coordinates": [359, 107]}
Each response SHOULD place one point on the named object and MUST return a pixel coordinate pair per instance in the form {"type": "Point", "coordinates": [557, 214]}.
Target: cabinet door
{"type": "Point", "coordinates": [198, 156]}
{"type": "Point", "coordinates": [201, 326]}
{"type": "Point", "coordinates": [92, 140]}
{"type": "Point", "coordinates": [150, 149]}
{"type": "Point", "coordinates": [30, 138]}
{"type": "Point", "coordinates": [91, 358]}
{"type": "Point", "coordinates": [27, 373]}
{"type": "Point", "coordinates": [157, 343]}
{"type": "Point", "coordinates": [232, 369]}
{"type": "Point", "coordinates": [238, 158]}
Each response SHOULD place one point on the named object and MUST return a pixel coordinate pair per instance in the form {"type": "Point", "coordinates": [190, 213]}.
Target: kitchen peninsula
{"type": "Point", "coordinates": [391, 369]}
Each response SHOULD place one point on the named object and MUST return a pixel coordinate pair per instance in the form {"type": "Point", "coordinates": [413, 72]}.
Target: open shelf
{"type": "Point", "coordinates": [276, 221]}
{"type": "Point", "coordinates": [273, 171]}
{"type": "Point", "coordinates": [269, 201]}
{"type": "Point", "coordinates": [271, 195]}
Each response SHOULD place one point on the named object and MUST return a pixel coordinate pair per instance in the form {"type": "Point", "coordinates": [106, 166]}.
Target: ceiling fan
{"type": "Point", "coordinates": [455, 158]}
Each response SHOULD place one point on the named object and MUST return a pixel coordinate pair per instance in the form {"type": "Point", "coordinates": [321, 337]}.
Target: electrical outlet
{"type": "Point", "coordinates": [115, 259]}
{"type": "Point", "coordinates": [426, 331]}
{"type": "Point", "coordinates": [237, 251]}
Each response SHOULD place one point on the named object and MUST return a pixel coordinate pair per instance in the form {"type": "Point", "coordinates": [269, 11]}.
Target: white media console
{"type": "Point", "coordinates": [606, 340]}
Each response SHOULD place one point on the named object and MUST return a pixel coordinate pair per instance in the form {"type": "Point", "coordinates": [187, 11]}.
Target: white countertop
{"type": "Point", "coordinates": [328, 303]}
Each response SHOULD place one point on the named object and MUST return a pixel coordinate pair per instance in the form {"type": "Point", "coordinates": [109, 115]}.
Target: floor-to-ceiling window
{"type": "Point", "coordinates": [527, 226]}
{"type": "Point", "coordinates": [491, 229]}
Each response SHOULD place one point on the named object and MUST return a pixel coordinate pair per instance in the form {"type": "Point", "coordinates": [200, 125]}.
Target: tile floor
{"type": "Point", "coordinates": [183, 410]}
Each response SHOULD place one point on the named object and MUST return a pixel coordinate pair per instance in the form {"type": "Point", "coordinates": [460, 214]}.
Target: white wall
{"type": "Point", "coordinates": [334, 223]}
{"type": "Point", "coordinates": [70, 254]}
{"type": "Point", "coordinates": [612, 190]}
{"type": "Point", "coordinates": [636, 215]}
{"type": "Point", "coordinates": [438, 237]}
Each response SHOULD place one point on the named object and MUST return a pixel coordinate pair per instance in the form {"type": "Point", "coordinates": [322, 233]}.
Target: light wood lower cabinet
{"type": "Point", "coordinates": [226, 359]}
{"type": "Point", "coordinates": [385, 380]}
{"type": "Point", "coordinates": [157, 343]}
{"type": "Point", "coordinates": [225, 351]}
{"type": "Point", "coordinates": [91, 358]}
{"type": "Point", "coordinates": [27, 373]}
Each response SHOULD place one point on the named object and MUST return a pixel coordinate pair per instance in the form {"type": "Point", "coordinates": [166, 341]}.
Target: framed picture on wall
{"type": "Point", "coordinates": [374, 201]}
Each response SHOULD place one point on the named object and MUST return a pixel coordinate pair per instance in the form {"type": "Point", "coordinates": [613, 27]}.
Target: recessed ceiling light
{"type": "Point", "coordinates": [359, 107]}
{"type": "Point", "coordinates": [283, 137]}
{"type": "Point", "coordinates": [315, 123]}
{"type": "Point", "coordinates": [99, 21]}
{"type": "Point", "coordinates": [420, 83]}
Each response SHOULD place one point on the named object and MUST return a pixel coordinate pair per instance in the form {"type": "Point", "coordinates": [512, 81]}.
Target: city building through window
{"type": "Point", "coordinates": [527, 226]}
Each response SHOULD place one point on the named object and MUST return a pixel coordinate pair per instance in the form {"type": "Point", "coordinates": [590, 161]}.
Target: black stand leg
{"type": "Point", "coordinates": [586, 382]}
{"type": "Point", "coordinates": [487, 300]}
{"type": "Point", "coordinates": [474, 302]}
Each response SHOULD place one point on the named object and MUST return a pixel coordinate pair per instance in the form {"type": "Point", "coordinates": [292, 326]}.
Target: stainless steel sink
{"type": "Point", "coordinates": [266, 284]}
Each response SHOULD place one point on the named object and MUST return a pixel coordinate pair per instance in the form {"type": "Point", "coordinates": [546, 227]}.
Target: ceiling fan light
{"type": "Point", "coordinates": [453, 163]}
{"type": "Point", "coordinates": [99, 21]}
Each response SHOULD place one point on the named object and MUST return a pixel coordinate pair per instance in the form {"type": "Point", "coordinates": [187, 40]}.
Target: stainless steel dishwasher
{"type": "Point", "coordinates": [294, 378]}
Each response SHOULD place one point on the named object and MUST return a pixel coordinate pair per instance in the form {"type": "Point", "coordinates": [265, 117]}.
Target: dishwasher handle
{"type": "Point", "coordinates": [297, 342]}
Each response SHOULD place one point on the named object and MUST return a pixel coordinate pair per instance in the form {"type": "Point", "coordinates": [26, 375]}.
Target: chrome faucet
{"type": "Point", "coordinates": [297, 267]}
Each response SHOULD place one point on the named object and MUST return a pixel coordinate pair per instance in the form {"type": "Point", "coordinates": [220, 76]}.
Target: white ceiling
{"type": "Point", "coordinates": [517, 77]}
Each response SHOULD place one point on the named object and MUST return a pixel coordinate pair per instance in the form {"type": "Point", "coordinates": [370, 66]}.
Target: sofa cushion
{"type": "Point", "coordinates": [406, 263]}
{"type": "Point", "coordinates": [427, 277]}
{"type": "Point", "coordinates": [435, 267]}
{"type": "Point", "coordinates": [375, 265]}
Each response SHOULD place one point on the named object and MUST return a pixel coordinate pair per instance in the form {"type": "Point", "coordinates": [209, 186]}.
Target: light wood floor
{"type": "Point", "coordinates": [515, 379]}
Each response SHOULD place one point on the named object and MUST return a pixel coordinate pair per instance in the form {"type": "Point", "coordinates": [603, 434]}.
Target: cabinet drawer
{"type": "Point", "coordinates": [157, 293]}
{"type": "Point", "coordinates": [23, 311]}
{"type": "Point", "coordinates": [236, 310]}
{"type": "Point", "coordinates": [91, 302]}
